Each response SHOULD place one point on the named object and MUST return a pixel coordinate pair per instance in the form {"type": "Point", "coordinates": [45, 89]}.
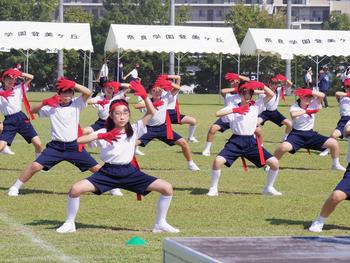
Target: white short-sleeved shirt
{"type": "Point", "coordinates": [344, 106]}
{"type": "Point", "coordinates": [134, 73]}
{"type": "Point", "coordinates": [172, 104]}
{"type": "Point", "coordinates": [272, 104]}
{"type": "Point", "coordinates": [304, 122]}
{"type": "Point", "coordinates": [123, 150]}
{"type": "Point", "coordinates": [308, 77]}
{"type": "Point", "coordinates": [103, 112]}
{"type": "Point", "coordinates": [159, 117]}
{"type": "Point", "coordinates": [14, 103]}
{"type": "Point", "coordinates": [230, 100]}
{"type": "Point", "coordinates": [246, 124]}
{"type": "Point", "coordinates": [104, 70]}
{"type": "Point", "coordinates": [64, 120]}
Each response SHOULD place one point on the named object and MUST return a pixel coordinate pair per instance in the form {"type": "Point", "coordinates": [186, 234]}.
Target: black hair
{"type": "Point", "coordinates": [239, 86]}
{"type": "Point", "coordinates": [60, 91]}
{"type": "Point", "coordinates": [110, 123]}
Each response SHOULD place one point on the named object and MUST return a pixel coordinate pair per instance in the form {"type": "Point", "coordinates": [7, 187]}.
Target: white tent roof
{"type": "Point", "coordinates": [288, 42]}
{"type": "Point", "coordinates": [44, 35]}
{"type": "Point", "coordinates": [172, 39]}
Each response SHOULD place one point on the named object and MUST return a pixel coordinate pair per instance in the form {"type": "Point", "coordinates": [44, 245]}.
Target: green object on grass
{"type": "Point", "coordinates": [136, 241]}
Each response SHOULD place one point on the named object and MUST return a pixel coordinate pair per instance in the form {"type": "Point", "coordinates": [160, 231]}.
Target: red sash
{"type": "Point", "coordinates": [177, 109]}
{"type": "Point", "coordinates": [137, 166]}
{"type": "Point", "coordinates": [80, 133]}
{"type": "Point", "coordinates": [26, 103]}
{"type": "Point", "coordinates": [169, 129]}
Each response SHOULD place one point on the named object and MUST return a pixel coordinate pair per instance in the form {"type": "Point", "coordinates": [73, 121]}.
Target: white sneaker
{"type": "Point", "coordinates": [324, 153]}
{"type": "Point", "coordinates": [116, 192]}
{"type": "Point", "coordinates": [193, 167]}
{"type": "Point", "coordinates": [7, 150]}
{"type": "Point", "coordinates": [13, 191]}
{"type": "Point", "coordinates": [271, 191]}
{"type": "Point", "coordinates": [338, 167]}
{"type": "Point", "coordinates": [67, 227]}
{"type": "Point", "coordinates": [193, 139]}
{"type": "Point", "coordinates": [316, 226]}
{"type": "Point", "coordinates": [213, 192]}
{"type": "Point", "coordinates": [138, 152]}
{"type": "Point", "coordinates": [165, 227]}
{"type": "Point", "coordinates": [206, 153]}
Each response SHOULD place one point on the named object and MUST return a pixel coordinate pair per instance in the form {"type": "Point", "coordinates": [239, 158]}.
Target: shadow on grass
{"type": "Point", "coordinates": [204, 191]}
{"type": "Point", "coordinates": [301, 168]}
{"type": "Point", "coordinates": [53, 224]}
{"type": "Point", "coordinates": [11, 169]}
{"type": "Point", "coordinates": [305, 224]}
{"type": "Point", "coordinates": [35, 191]}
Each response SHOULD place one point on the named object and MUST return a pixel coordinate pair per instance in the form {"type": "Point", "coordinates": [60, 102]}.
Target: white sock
{"type": "Point", "coordinates": [162, 208]}
{"type": "Point", "coordinates": [207, 146]}
{"type": "Point", "coordinates": [18, 184]}
{"type": "Point", "coordinates": [191, 162]}
{"type": "Point", "coordinates": [72, 208]}
{"type": "Point", "coordinates": [215, 176]}
{"type": "Point", "coordinates": [336, 161]}
{"type": "Point", "coordinates": [271, 177]}
{"type": "Point", "coordinates": [322, 219]}
{"type": "Point", "coordinates": [191, 130]}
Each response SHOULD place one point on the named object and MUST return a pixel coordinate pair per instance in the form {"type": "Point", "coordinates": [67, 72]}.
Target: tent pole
{"type": "Point", "coordinates": [316, 81]}
{"type": "Point", "coordinates": [162, 65]}
{"type": "Point", "coordinates": [90, 73]}
{"type": "Point", "coordinates": [118, 80]}
{"type": "Point", "coordinates": [239, 64]}
{"type": "Point", "coordinates": [220, 72]}
{"type": "Point", "coordinates": [27, 58]}
{"type": "Point", "coordinates": [178, 65]}
{"type": "Point", "coordinates": [84, 68]}
{"type": "Point", "coordinates": [257, 68]}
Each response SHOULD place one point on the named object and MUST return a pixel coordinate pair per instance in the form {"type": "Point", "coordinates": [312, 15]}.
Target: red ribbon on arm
{"type": "Point", "coordinates": [261, 152]}
{"type": "Point", "coordinates": [177, 109]}
{"type": "Point", "coordinates": [169, 129]}
{"type": "Point", "coordinates": [137, 166]}
{"type": "Point", "coordinates": [80, 133]}
{"type": "Point", "coordinates": [26, 103]}
{"type": "Point", "coordinates": [244, 164]}
{"type": "Point", "coordinates": [282, 95]}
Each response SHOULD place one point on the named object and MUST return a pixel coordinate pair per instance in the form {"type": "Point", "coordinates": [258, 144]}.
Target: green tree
{"type": "Point", "coordinates": [337, 22]}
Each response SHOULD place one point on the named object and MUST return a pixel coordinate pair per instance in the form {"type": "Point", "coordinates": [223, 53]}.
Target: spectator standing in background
{"type": "Point", "coordinates": [308, 78]}
{"type": "Point", "coordinates": [323, 83]}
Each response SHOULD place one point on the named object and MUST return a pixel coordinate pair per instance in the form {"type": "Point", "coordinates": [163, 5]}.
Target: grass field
{"type": "Point", "coordinates": [105, 223]}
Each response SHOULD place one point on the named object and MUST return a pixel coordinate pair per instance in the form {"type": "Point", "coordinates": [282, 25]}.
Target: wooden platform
{"type": "Point", "coordinates": [257, 249]}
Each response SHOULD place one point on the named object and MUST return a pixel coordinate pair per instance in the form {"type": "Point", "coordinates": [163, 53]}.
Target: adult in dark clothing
{"type": "Point", "coordinates": [323, 83]}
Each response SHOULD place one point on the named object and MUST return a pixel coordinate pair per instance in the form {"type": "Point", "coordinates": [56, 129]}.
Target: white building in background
{"type": "Point", "coordinates": [307, 14]}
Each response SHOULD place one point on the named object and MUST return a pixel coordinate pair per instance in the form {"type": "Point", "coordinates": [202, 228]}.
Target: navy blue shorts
{"type": "Point", "coordinates": [344, 184]}
{"type": "Point", "coordinates": [17, 123]}
{"type": "Point", "coordinates": [173, 116]}
{"type": "Point", "coordinates": [158, 132]}
{"type": "Point", "coordinates": [242, 146]}
{"type": "Point", "coordinates": [126, 176]}
{"type": "Point", "coordinates": [99, 124]}
{"type": "Point", "coordinates": [223, 125]}
{"type": "Point", "coordinates": [341, 124]}
{"type": "Point", "coordinates": [56, 152]}
{"type": "Point", "coordinates": [306, 139]}
{"type": "Point", "coordinates": [275, 116]}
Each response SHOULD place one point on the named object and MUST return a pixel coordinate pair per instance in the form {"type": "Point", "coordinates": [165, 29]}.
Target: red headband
{"type": "Point", "coordinates": [118, 104]}
{"type": "Point", "coordinates": [346, 82]}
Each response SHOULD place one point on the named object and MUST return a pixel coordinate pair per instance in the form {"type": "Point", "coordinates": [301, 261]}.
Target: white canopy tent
{"type": "Point", "coordinates": [51, 37]}
{"type": "Point", "coordinates": [286, 43]}
{"type": "Point", "coordinates": [177, 39]}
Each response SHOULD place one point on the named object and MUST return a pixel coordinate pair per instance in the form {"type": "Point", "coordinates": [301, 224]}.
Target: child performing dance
{"type": "Point", "coordinates": [159, 127]}
{"type": "Point", "coordinates": [174, 112]}
{"type": "Point", "coordinates": [343, 98]}
{"type": "Point", "coordinates": [16, 121]}
{"type": "Point", "coordinates": [117, 144]}
{"type": "Point", "coordinates": [231, 98]}
{"type": "Point", "coordinates": [303, 136]}
{"type": "Point", "coordinates": [243, 120]}
{"type": "Point", "coordinates": [339, 194]}
{"type": "Point", "coordinates": [271, 112]}
{"type": "Point", "coordinates": [63, 112]}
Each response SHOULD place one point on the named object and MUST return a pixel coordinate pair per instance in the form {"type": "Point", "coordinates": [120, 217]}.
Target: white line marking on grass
{"type": "Point", "coordinates": [44, 245]}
